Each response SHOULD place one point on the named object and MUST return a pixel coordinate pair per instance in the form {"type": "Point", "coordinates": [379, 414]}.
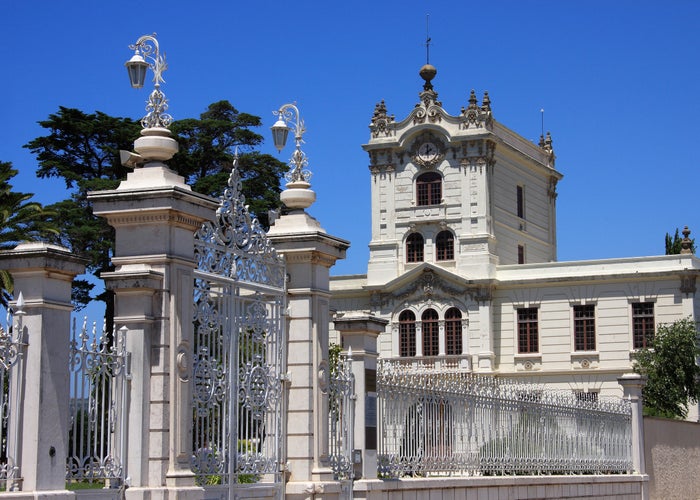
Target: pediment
{"type": "Point", "coordinates": [427, 282]}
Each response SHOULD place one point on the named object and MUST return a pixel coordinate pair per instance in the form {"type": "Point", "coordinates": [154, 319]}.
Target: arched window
{"type": "Point", "coordinates": [453, 331]}
{"type": "Point", "coordinates": [431, 333]}
{"type": "Point", "coordinates": [414, 248]}
{"type": "Point", "coordinates": [445, 244]}
{"type": "Point", "coordinates": [429, 189]}
{"type": "Point", "coordinates": [407, 334]}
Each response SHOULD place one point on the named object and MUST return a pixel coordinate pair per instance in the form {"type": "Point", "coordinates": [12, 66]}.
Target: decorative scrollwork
{"type": "Point", "coordinates": [236, 245]}
{"type": "Point", "coordinates": [238, 295]}
{"type": "Point", "coordinates": [98, 368]}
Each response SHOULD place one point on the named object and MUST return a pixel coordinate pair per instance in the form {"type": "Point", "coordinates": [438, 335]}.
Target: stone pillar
{"type": "Point", "coordinates": [632, 385]}
{"type": "Point", "coordinates": [155, 215]}
{"type": "Point", "coordinates": [43, 274]}
{"type": "Point", "coordinates": [360, 334]}
{"type": "Point", "coordinates": [309, 253]}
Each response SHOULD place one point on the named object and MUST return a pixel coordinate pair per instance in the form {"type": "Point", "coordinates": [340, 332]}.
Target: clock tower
{"type": "Point", "coordinates": [463, 192]}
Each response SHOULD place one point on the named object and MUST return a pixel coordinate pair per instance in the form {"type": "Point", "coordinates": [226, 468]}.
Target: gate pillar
{"type": "Point", "coordinates": [155, 215]}
{"type": "Point", "coordinates": [360, 333]}
{"type": "Point", "coordinates": [43, 273]}
{"type": "Point", "coordinates": [309, 253]}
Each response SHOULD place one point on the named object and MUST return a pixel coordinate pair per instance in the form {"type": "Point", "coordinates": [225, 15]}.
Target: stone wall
{"type": "Point", "coordinates": [504, 488]}
{"type": "Point", "coordinates": [672, 454]}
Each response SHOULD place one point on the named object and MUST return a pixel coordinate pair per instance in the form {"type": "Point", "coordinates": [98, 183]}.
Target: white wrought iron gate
{"type": "Point", "coordinates": [239, 351]}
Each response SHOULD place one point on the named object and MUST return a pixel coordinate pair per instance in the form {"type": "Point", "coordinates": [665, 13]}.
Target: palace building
{"type": "Point", "coordinates": [463, 271]}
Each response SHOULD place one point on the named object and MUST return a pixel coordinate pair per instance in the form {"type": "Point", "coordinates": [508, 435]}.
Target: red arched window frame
{"type": "Point", "coordinates": [429, 189]}
{"type": "Point", "coordinates": [407, 334]}
{"type": "Point", "coordinates": [414, 247]}
{"type": "Point", "coordinates": [445, 244]}
{"type": "Point", "coordinates": [453, 331]}
{"type": "Point", "coordinates": [431, 333]}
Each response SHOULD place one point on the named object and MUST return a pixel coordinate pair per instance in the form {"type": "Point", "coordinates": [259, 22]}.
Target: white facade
{"type": "Point", "coordinates": [484, 292]}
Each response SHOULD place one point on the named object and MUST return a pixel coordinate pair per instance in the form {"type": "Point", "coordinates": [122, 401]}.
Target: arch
{"type": "Point", "coordinates": [428, 189]}
{"type": "Point", "coordinates": [414, 247]}
{"type": "Point", "coordinates": [445, 245]}
{"type": "Point", "coordinates": [431, 332]}
{"type": "Point", "coordinates": [453, 331]}
{"type": "Point", "coordinates": [407, 334]}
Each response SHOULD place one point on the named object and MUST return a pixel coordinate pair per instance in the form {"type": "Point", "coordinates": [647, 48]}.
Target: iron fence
{"type": "Point", "coordinates": [341, 416]}
{"type": "Point", "coordinates": [98, 383]}
{"type": "Point", "coordinates": [433, 423]}
{"type": "Point", "coordinates": [12, 350]}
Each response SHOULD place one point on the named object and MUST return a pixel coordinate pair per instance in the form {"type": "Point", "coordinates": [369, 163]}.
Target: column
{"type": "Point", "coordinates": [155, 215]}
{"type": "Point", "coordinates": [632, 385]}
{"type": "Point", "coordinates": [43, 274]}
{"type": "Point", "coordinates": [360, 334]}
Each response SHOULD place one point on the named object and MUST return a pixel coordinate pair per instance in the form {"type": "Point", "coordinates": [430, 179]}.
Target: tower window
{"type": "Point", "coordinates": [521, 254]}
{"type": "Point", "coordinates": [453, 331]}
{"type": "Point", "coordinates": [431, 333]}
{"type": "Point", "coordinates": [429, 189]}
{"type": "Point", "coordinates": [445, 246]}
{"type": "Point", "coordinates": [414, 248]}
{"type": "Point", "coordinates": [407, 334]}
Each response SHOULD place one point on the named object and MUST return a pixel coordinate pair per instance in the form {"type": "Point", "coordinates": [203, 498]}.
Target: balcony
{"type": "Point", "coordinates": [454, 363]}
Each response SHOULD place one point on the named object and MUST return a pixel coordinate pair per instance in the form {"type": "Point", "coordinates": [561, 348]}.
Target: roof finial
{"type": "Point", "coordinates": [686, 242]}
{"type": "Point", "coordinates": [427, 39]}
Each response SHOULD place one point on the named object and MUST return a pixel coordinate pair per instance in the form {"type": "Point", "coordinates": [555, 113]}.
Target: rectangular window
{"type": "Point", "coordinates": [521, 201]}
{"type": "Point", "coordinates": [527, 330]}
{"type": "Point", "coordinates": [642, 324]}
{"type": "Point", "coordinates": [521, 254]}
{"type": "Point", "coordinates": [584, 328]}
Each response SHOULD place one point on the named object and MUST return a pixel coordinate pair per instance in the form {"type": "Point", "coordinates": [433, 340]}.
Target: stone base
{"type": "Point", "coordinates": [26, 495]}
{"type": "Point", "coordinates": [303, 490]}
{"type": "Point", "coordinates": [296, 222]}
{"type": "Point", "coordinates": [184, 493]}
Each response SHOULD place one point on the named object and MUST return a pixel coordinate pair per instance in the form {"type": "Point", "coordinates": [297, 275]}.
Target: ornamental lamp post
{"type": "Point", "coordinates": [156, 143]}
{"type": "Point", "coordinates": [147, 48]}
{"type": "Point", "coordinates": [297, 194]}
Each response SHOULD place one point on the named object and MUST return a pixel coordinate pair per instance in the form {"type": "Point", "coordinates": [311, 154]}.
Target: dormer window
{"type": "Point", "coordinates": [445, 245]}
{"type": "Point", "coordinates": [414, 247]}
{"type": "Point", "coordinates": [429, 189]}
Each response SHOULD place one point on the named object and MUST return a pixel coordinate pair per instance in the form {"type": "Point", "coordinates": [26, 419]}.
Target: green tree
{"type": "Point", "coordinates": [20, 220]}
{"type": "Point", "coordinates": [670, 365]}
{"type": "Point", "coordinates": [675, 245]}
{"type": "Point", "coordinates": [83, 150]}
{"type": "Point", "coordinates": [207, 147]}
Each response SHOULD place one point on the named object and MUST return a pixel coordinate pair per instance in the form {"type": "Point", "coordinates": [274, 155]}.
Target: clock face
{"type": "Point", "coordinates": [427, 151]}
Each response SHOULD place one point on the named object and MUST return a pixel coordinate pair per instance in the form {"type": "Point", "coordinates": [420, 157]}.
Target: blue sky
{"type": "Point", "coordinates": [618, 82]}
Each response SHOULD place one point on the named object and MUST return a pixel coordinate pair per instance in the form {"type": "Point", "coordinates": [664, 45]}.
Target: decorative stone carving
{"type": "Point", "coordinates": [380, 125]}
{"type": "Point", "coordinates": [475, 117]}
